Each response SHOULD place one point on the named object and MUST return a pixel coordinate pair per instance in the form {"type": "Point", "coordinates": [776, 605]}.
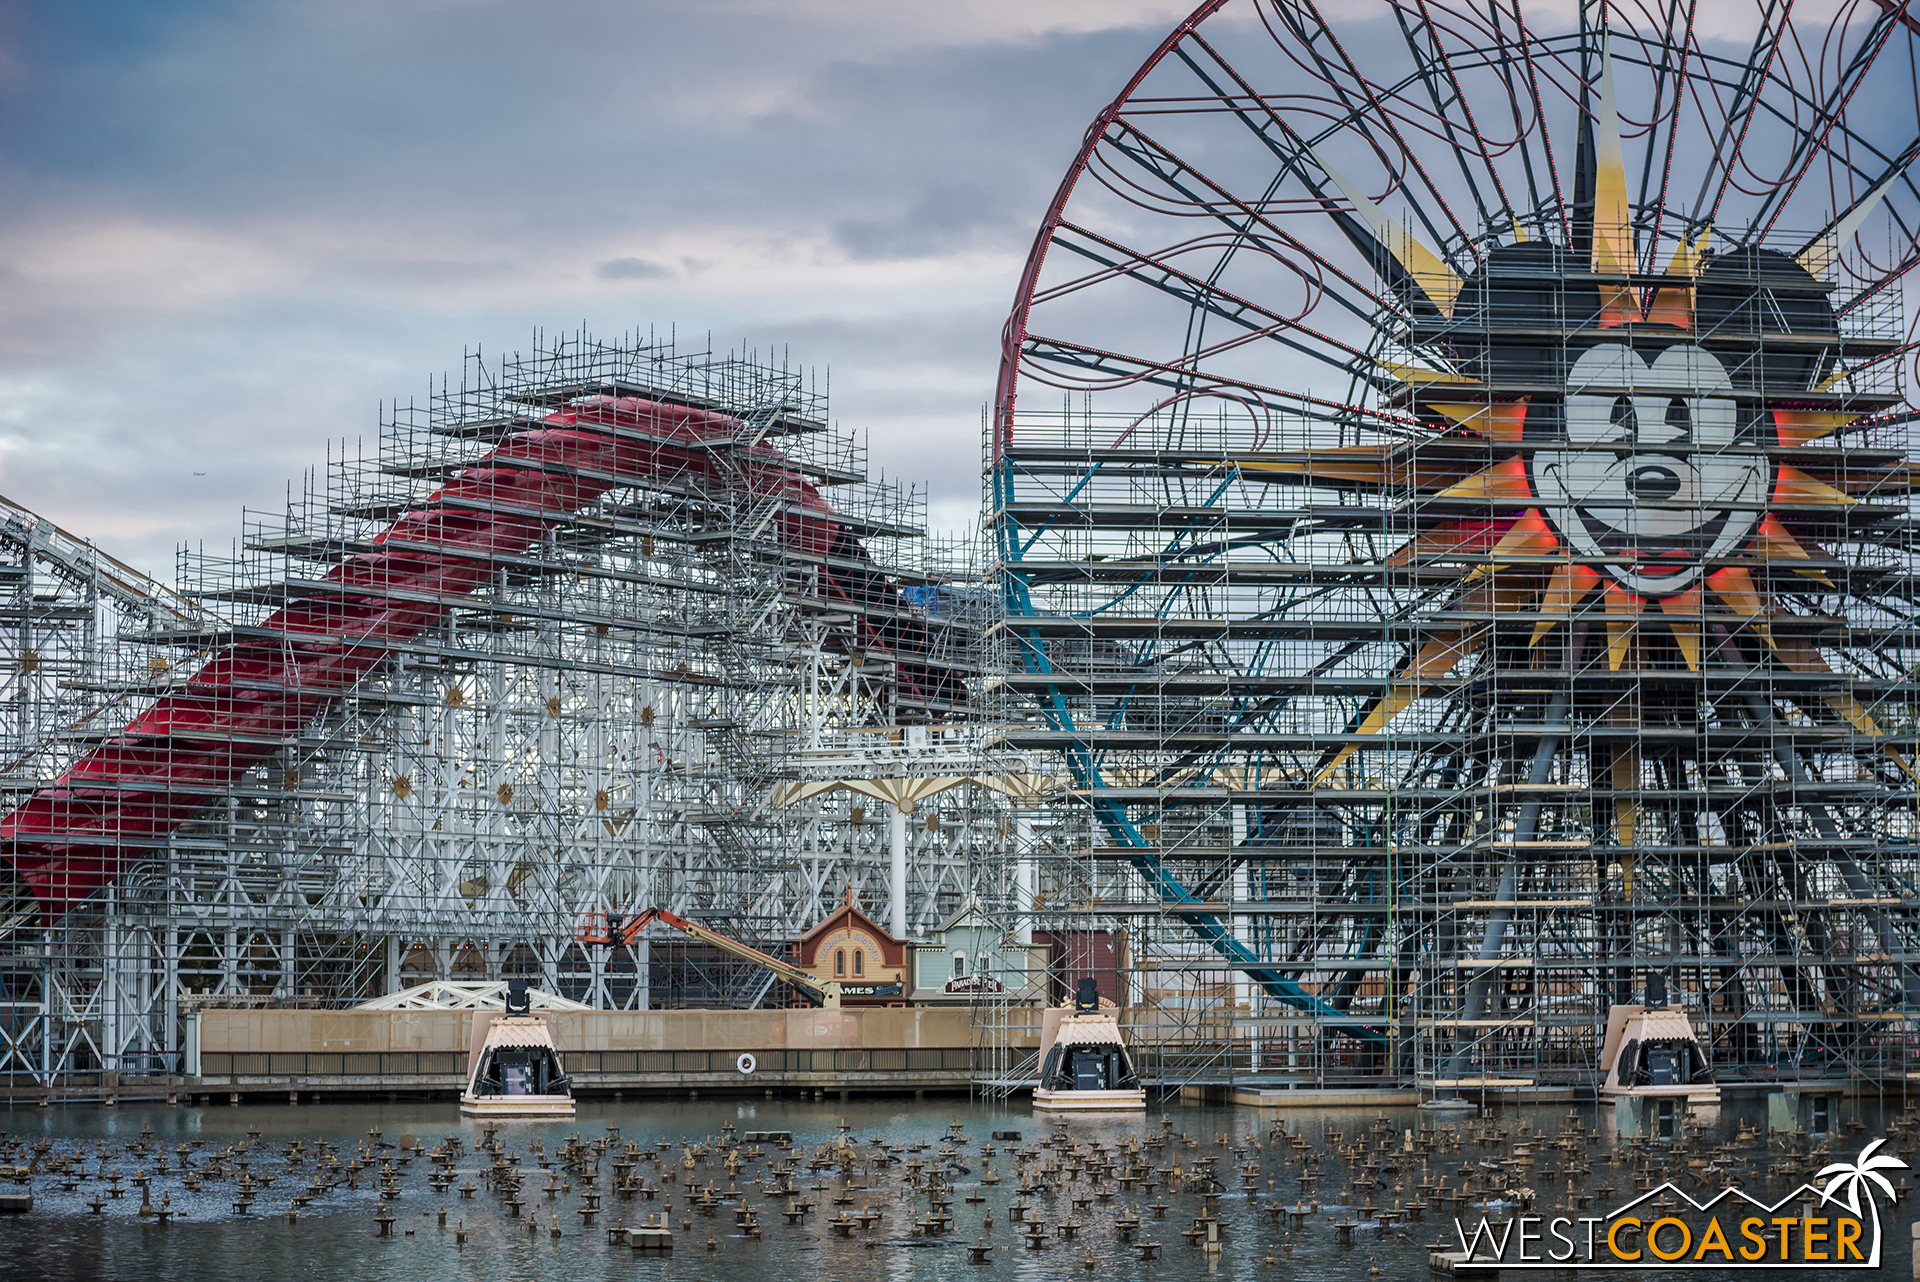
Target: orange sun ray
{"type": "Point", "coordinates": [1673, 304]}
{"type": "Point", "coordinates": [1454, 539]}
{"type": "Point", "coordinates": [1528, 536]}
{"type": "Point", "coordinates": [1774, 539]}
{"type": "Point", "coordinates": [1504, 482]}
{"type": "Point", "coordinates": [1798, 427]}
{"type": "Point", "coordinates": [1568, 587]}
{"type": "Point", "coordinates": [1733, 584]}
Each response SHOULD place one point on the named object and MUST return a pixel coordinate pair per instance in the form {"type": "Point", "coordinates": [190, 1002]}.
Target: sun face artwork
{"type": "Point", "coordinates": [1654, 466]}
{"type": "Point", "coordinates": [1653, 444]}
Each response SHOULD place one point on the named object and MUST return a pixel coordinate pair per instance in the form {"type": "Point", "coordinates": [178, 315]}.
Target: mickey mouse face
{"type": "Point", "coordinates": [1649, 480]}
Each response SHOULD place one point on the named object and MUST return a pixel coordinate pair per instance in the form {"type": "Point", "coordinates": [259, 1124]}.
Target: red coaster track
{"type": "Point", "coordinates": [193, 745]}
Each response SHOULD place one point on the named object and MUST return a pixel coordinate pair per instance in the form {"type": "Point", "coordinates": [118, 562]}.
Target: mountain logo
{"type": "Point", "coordinates": [1835, 1223]}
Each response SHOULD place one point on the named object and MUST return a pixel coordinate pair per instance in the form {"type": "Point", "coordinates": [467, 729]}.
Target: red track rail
{"type": "Point", "coordinates": [192, 746]}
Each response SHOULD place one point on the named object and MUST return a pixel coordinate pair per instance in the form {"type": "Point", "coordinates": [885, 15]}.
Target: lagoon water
{"type": "Point", "coordinates": [336, 1237]}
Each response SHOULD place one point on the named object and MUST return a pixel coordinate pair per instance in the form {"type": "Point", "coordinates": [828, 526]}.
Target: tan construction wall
{"type": "Point", "coordinates": [252, 1032]}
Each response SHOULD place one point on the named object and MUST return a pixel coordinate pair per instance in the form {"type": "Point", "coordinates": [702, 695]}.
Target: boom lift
{"type": "Point", "coordinates": [608, 929]}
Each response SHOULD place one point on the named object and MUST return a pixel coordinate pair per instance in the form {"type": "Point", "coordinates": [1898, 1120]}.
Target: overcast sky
{"type": "Point", "coordinates": [229, 228]}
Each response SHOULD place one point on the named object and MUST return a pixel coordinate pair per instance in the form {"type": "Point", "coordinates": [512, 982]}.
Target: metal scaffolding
{"type": "Point", "coordinates": [546, 650]}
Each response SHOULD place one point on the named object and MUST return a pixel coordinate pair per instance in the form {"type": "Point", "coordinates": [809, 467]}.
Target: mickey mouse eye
{"type": "Point", "coordinates": [1623, 416]}
{"type": "Point", "coordinates": [1679, 417]}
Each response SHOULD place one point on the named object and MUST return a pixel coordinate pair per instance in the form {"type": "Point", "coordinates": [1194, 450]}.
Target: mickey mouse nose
{"type": "Point", "coordinates": [1653, 483]}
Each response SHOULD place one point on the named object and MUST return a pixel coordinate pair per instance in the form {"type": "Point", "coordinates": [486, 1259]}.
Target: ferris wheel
{"type": "Point", "coordinates": [1450, 469]}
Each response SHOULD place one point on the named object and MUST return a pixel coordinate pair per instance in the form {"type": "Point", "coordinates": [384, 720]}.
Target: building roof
{"type": "Point", "coordinates": [968, 914]}
{"type": "Point", "coordinates": [447, 994]}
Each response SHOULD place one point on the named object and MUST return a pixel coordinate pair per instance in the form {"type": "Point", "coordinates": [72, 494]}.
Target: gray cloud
{"type": "Point", "coordinates": [630, 269]}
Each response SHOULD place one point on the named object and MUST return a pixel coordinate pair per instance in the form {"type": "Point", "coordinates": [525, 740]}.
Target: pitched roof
{"type": "Point", "coordinates": [969, 909]}
{"type": "Point", "coordinates": [849, 914]}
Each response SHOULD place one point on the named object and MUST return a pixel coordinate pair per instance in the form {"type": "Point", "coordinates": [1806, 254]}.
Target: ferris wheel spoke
{"type": "Point", "coordinates": [1240, 217]}
{"type": "Point", "coordinates": [1290, 149]}
{"type": "Point", "coordinates": [1120, 368]}
{"type": "Point", "coordinates": [1668, 81]}
{"type": "Point", "coordinates": [1724, 150]}
{"type": "Point", "coordinates": [1442, 79]}
{"type": "Point", "coordinates": [1367, 114]}
{"type": "Point", "coordinates": [1810, 145]}
{"type": "Point", "coordinates": [1529, 73]}
{"type": "Point", "coordinates": [1202, 296]}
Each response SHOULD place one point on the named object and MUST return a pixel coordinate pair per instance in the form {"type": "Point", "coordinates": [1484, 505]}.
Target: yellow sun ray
{"type": "Point", "coordinates": [1734, 586]}
{"type": "Point", "coordinates": [1364, 463]}
{"type": "Point", "coordinates": [1623, 617]}
{"type": "Point", "coordinates": [1612, 206]}
{"type": "Point", "coordinates": [1820, 252]}
{"type": "Point", "coordinates": [1421, 376]}
{"type": "Point", "coordinates": [1568, 587]}
{"type": "Point", "coordinates": [1625, 778]}
{"type": "Point", "coordinates": [1833, 380]}
{"type": "Point", "coordinates": [1430, 271]}
{"type": "Point", "coordinates": [1803, 656]}
{"type": "Point", "coordinates": [1791, 485]}
{"type": "Point", "coordinates": [1505, 422]}
{"type": "Point", "coordinates": [1436, 658]}
{"type": "Point", "coordinates": [1686, 632]}
{"type": "Point", "coordinates": [1613, 249]}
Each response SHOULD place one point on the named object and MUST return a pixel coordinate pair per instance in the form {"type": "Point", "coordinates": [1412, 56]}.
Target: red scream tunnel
{"type": "Point", "coordinates": [194, 744]}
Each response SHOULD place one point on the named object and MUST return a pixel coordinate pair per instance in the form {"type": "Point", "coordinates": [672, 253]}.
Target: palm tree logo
{"type": "Point", "coordinates": [1862, 1175]}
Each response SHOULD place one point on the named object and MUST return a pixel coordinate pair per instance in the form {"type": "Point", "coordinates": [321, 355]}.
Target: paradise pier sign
{"type": "Point", "coordinates": [1836, 1226]}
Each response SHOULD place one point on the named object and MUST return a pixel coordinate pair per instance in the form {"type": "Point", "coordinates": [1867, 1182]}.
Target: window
{"type": "Point", "coordinates": [859, 962]}
{"type": "Point", "coordinates": [959, 965]}
{"type": "Point", "coordinates": [840, 962]}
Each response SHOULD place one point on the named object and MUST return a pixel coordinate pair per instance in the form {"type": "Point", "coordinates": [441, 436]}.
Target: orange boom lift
{"type": "Point", "coordinates": [608, 929]}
